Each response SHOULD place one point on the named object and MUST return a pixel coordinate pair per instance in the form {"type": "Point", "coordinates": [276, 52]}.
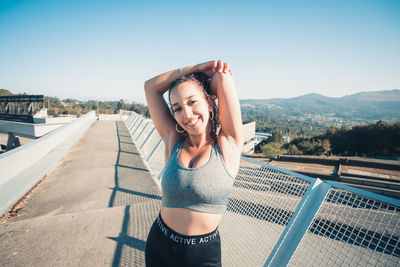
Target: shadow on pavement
{"type": "Point", "coordinates": [132, 183]}
{"type": "Point", "coordinates": [125, 240]}
{"type": "Point", "coordinates": [136, 190]}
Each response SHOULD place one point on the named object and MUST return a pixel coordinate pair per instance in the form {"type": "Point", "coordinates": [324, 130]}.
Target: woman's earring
{"type": "Point", "coordinates": [212, 115]}
{"type": "Point", "coordinates": [176, 127]}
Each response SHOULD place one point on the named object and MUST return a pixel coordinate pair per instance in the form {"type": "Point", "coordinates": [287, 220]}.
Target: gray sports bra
{"type": "Point", "coordinates": [205, 188]}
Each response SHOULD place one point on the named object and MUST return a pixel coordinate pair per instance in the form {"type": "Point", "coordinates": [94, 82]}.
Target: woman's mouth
{"type": "Point", "coordinates": [192, 123]}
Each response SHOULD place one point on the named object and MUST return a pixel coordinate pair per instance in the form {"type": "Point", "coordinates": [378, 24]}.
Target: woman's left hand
{"type": "Point", "coordinates": [211, 67]}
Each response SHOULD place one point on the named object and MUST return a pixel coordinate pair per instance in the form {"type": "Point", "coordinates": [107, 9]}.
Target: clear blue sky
{"type": "Point", "coordinates": [105, 50]}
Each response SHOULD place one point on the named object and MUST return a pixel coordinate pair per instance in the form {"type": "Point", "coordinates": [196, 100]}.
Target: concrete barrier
{"type": "Point", "coordinates": [249, 130]}
{"type": "Point", "coordinates": [156, 159]}
{"type": "Point", "coordinates": [23, 167]}
{"type": "Point", "coordinates": [109, 117]}
{"type": "Point", "coordinates": [144, 133]}
{"type": "Point", "coordinates": [133, 126]}
{"type": "Point", "coordinates": [130, 119]}
{"type": "Point", "coordinates": [41, 126]}
{"type": "Point", "coordinates": [139, 127]}
{"type": "Point", "coordinates": [112, 117]}
{"type": "Point", "coordinates": [144, 136]}
{"type": "Point", "coordinates": [148, 141]}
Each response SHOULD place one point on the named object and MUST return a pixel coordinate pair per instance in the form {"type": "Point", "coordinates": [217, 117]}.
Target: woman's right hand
{"type": "Point", "coordinates": [211, 67]}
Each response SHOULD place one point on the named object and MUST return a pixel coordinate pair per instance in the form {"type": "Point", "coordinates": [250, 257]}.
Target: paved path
{"type": "Point", "coordinates": [94, 209]}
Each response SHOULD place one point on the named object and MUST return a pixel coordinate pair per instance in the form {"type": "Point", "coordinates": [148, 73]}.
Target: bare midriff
{"type": "Point", "coordinates": [190, 222]}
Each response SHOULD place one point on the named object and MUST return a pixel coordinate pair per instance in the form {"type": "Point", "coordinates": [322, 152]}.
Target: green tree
{"type": "Point", "coordinates": [272, 149]}
{"type": "Point", "coordinates": [276, 137]}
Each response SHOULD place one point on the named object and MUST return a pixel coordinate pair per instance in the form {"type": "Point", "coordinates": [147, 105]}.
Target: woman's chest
{"type": "Point", "coordinates": [202, 183]}
{"type": "Point", "coordinates": [190, 158]}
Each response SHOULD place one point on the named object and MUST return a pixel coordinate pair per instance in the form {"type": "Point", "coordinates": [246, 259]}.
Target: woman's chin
{"type": "Point", "coordinates": [195, 131]}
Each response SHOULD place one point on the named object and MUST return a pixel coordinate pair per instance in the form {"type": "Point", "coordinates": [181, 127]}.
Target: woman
{"type": "Point", "coordinates": [200, 164]}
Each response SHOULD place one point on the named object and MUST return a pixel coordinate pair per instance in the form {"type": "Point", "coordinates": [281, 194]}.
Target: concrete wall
{"type": "Point", "coordinates": [122, 115]}
{"type": "Point", "coordinates": [22, 167]}
{"type": "Point", "coordinates": [41, 126]}
{"type": "Point", "coordinates": [249, 130]}
{"type": "Point", "coordinates": [148, 141]}
{"type": "Point", "coordinates": [109, 117]}
{"type": "Point", "coordinates": [55, 120]}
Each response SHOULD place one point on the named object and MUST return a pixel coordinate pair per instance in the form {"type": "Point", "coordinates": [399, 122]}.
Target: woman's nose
{"type": "Point", "coordinates": [187, 112]}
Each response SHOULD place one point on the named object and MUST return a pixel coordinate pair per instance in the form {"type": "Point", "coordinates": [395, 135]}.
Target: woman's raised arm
{"type": "Point", "coordinates": [223, 86]}
{"type": "Point", "coordinates": [230, 137]}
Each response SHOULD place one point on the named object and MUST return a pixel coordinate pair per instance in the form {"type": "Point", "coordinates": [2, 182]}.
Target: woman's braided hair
{"type": "Point", "coordinates": [203, 82]}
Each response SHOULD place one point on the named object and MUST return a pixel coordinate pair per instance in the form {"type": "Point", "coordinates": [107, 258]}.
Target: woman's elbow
{"type": "Point", "coordinates": [146, 86]}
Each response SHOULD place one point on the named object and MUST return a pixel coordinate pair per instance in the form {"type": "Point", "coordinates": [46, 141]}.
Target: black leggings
{"type": "Point", "coordinates": [165, 247]}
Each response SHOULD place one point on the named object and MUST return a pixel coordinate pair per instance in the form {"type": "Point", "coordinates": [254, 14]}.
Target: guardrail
{"type": "Point", "coordinates": [22, 167]}
{"type": "Point", "coordinates": [374, 175]}
{"type": "Point", "coordinates": [276, 217]}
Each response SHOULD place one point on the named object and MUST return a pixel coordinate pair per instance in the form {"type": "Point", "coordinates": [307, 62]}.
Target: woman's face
{"type": "Point", "coordinates": [190, 107]}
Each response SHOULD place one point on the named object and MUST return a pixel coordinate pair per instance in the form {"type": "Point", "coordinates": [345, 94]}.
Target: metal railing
{"type": "Point", "coordinates": [276, 217]}
{"type": "Point", "coordinates": [20, 107]}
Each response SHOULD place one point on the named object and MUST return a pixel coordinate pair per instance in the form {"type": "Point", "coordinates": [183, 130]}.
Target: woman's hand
{"type": "Point", "coordinates": [211, 67]}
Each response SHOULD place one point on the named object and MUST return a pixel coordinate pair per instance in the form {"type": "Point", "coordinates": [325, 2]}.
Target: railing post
{"type": "Point", "coordinates": [130, 119]}
{"type": "Point", "coordinates": [147, 138]}
{"type": "Point", "coordinates": [137, 127]}
{"type": "Point", "coordinates": [144, 128]}
{"type": "Point", "coordinates": [298, 224]}
{"type": "Point", "coordinates": [154, 149]}
{"type": "Point", "coordinates": [134, 123]}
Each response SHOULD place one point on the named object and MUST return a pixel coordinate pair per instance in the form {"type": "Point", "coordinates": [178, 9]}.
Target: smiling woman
{"type": "Point", "coordinates": [200, 164]}
{"type": "Point", "coordinates": [194, 87]}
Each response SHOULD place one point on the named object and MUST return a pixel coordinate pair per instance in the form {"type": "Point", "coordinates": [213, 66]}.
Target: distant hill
{"type": "Point", "coordinates": [363, 107]}
{"type": "Point", "coordinates": [5, 92]}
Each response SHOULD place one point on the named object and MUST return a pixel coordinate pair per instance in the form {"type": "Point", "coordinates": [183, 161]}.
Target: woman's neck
{"type": "Point", "coordinates": [200, 140]}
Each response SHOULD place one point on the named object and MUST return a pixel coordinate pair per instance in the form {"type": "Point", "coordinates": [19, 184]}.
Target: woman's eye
{"type": "Point", "coordinates": [177, 109]}
{"type": "Point", "coordinates": [192, 102]}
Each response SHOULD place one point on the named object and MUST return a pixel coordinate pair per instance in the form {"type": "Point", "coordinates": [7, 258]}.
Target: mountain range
{"type": "Point", "coordinates": [363, 107]}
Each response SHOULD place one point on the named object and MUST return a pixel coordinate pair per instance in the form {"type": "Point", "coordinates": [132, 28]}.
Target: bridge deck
{"type": "Point", "coordinates": [95, 208]}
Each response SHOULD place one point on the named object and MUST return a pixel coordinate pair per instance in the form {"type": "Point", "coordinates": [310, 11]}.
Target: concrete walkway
{"type": "Point", "coordinates": [94, 209]}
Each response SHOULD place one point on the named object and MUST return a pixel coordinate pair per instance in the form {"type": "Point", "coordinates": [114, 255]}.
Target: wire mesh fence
{"type": "Point", "coordinates": [261, 204]}
{"type": "Point", "coordinates": [348, 226]}
{"type": "Point", "coordinates": [351, 229]}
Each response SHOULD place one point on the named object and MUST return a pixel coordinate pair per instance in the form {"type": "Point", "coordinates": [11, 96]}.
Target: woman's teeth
{"type": "Point", "coordinates": [192, 123]}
